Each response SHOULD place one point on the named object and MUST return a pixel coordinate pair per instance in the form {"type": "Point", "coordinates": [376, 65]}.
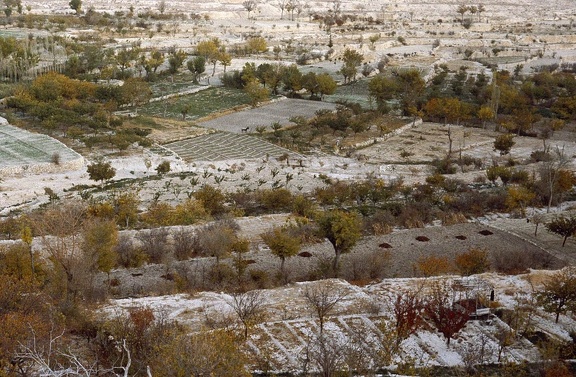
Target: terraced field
{"type": "Point", "coordinates": [21, 150]}
{"type": "Point", "coordinates": [279, 111]}
{"type": "Point", "coordinates": [225, 146]}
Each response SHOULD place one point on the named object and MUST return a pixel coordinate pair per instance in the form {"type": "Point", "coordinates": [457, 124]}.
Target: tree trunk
{"type": "Point", "coordinates": [335, 263]}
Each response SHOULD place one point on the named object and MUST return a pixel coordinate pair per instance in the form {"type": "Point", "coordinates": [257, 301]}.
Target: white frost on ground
{"type": "Point", "coordinates": [284, 338]}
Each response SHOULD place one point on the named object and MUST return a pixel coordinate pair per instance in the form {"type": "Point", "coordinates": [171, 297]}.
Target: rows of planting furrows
{"type": "Point", "coordinates": [18, 147]}
{"type": "Point", "coordinates": [278, 111]}
{"type": "Point", "coordinates": [225, 146]}
{"type": "Point", "coordinates": [286, 342]}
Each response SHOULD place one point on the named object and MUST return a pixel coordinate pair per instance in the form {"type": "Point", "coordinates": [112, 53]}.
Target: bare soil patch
{"type": "Point", "coordinates": [276, 111]}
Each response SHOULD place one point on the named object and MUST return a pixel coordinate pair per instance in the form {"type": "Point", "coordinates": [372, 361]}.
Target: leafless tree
{"type": "Point", "coordinates": [248, 307]}
{"type": "Point", "coordinates": [60, 228]}
{"type": "Point", "coordinates": [250, 5]}
{"type": "Point", "coordinates": [52, 361]}
{"type": "Point", "coordinates": [154, 244]}
{"type": "Point", "coordinates": [322, 298]}
{"type": "Point", "coordinates": [476, 353]}
{"type": "Point", "coordinates": [217, 239]}
{"type": "Point", "coordinates": [326, 354]}
{"type": "Point", "coordinates": [183, 244]}
{"type": "Point", "coordinates": [551, 173]}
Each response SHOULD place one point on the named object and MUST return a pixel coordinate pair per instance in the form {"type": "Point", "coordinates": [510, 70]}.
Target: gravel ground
{"type": "Point", "coordinates": [370, 256]}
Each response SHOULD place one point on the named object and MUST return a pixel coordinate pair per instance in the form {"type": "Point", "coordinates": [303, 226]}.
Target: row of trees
{"type": "Point", "coordinates": [265, 79]}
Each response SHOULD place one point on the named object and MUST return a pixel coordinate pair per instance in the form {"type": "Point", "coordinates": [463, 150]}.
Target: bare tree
{"type": "Point", "coordinates": [322, 298]}
{"type": "Point", "coordinates": [250, 5]}
{"type": "Point", "coordinates": [282, 5]}
{"type": "Point", "coordinates": [217, 239]}
{"type": "Point", "coordinates": [248, 307]}
{"type": "Point", "coordinates": [154, 244]}
{"type": "Point", "coordinates": [60, 228]}
{"type": "Point", "coordinates": [551, 174]}
{"type": "Point", "coordinates": [324, 353]}
{"type": "Point", "coordinates": [183, 244]}
{"type": "Point", "coordinates": [53, 361]}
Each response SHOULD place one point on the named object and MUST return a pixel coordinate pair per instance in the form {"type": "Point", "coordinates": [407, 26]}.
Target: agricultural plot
{"type": "Point", "coordinates": [22, 150]}
{"type": "Point", "coordinates": [198, 105]}
{"type": "Point", "coordinates": [356, 92]}
{"type": "Point", "coordinates": [225, 146]}
{"type": "Point", "coordinates": [279, 111]}
{"type": "Point", "coordinates": [360, 323]}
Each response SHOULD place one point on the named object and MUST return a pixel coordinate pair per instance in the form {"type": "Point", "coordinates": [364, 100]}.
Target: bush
{"type": "Point", "coordinates": [163, 167]}
{"type": "Point", "coordinates": [276, 200]}
{"type": "Point", "coordinates": [539, 156]}
{"type": "Point", "coordinates": [473, 261]}
{"type": "Point", "coordinates": [444, 166]}
{"type": "Point", "coordinates": [154, 244]}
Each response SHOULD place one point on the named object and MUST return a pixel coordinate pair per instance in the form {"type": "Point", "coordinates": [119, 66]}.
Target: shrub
{"type": "Point", "coordinates": [432, 265]}
{"type": "Point", "coordinates": [163, 167]}
{"type": "Point", "coordinates": [473, 261]}
{"type": "Point", "coordinates": [276, 200]}
{"type": "Point", "coordinates": [444, 166]}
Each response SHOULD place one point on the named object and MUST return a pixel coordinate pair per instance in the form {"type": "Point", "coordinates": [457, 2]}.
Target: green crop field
{"type": "Point", "coordinates": [19, 147]}
{"type": "Point", "coordinates": [357, 92]}
{"type": "Point", "coordinates": [200, 104]}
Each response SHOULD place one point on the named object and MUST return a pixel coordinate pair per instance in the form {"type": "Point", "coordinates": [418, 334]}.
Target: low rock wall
{"type": "Point", "coordinates": [41, 168]}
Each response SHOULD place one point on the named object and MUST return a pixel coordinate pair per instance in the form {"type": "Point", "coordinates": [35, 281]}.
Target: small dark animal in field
{"type": "Point", "coordinates": [245, 129]}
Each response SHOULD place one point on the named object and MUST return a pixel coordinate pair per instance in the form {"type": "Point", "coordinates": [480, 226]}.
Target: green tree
{"type": "Point", "coordinates": [175, 61]}
{"type": "Point", "coordinates": [326, 84]}
{"type": "Point", "coordinates": [256, 45]}
{"type": "Point", "coordinates": [196, 66]}
{"type": "Point", "coordinates": [101, 171]}
{"type": "Point", "coordinates": [210, 50]}
{"type": "Point", "coordinates": [270, 75]}
{"type": "Point", "coordinates": [136, 92]}
{"type": "Point", "coordinates": [256, 92]}
{"type": "Point", "coordinates": [224, 58]}
{"type": "Point", "coordinates": [559, 292]}
{"type": "Point", "coordinates": [282, 243]}
{"type": "Point", "coordinates": [409, 88]}
{"type": "Point", "coordinates": [352, 59]}
{"type": "Point", "coordinates": [292, 79]}
{"type": "Point", "coordinates": [485, 114]}
{"type": "Point", "coordinates": [564, 226]}
{"type": "Point", "coordinates": [382, 88]}
{"type": "Point", "coordinates": [151, 64]}
{"type": "Point", "coordinates": [310, 83]}
{"type": "Point", "coordinates": [76, 5]}
{"type": "Point", "coordinates": [342, 229]}
{"type": "Point", "coordinates": [503, 143]}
